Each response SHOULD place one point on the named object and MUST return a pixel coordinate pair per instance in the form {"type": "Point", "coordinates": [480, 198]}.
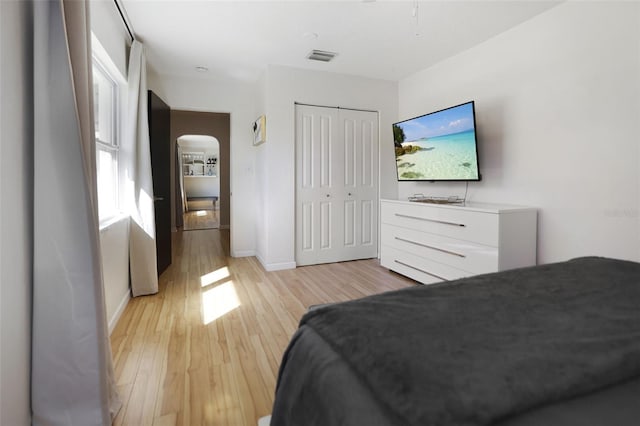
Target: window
{"type": "Point", "coordinates": [105, 104]}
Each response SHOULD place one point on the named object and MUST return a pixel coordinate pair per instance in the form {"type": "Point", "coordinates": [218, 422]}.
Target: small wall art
{"type": "Point", "coordinates": [260, 130]}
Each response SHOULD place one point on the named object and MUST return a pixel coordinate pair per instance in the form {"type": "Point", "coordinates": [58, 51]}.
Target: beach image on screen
{"type": "Point", "coordinates": [437, 146]}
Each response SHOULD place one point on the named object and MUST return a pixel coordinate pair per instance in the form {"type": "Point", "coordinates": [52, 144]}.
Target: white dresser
{"type": "Point", "coordinates": [436, 242]}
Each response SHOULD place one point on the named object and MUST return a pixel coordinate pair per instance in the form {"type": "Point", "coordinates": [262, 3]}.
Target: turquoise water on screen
{"type": "Point", "coordinates": [451, 157]}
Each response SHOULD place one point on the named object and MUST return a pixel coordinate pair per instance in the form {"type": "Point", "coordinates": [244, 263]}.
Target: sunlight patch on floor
{"type": "Point", "coordinates": [219, 301]}
{"type": "Point", "coordinates": [201, 213]}
{"type": "Point", "coordinates": [214, 277]}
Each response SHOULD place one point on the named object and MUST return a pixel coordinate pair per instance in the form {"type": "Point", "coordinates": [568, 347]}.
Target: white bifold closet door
{"type": "Point", "coordinates": [336, 185]}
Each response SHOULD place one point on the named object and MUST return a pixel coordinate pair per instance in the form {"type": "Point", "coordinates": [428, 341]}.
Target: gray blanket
{"type": "Point", "coordinates": [473, 351]}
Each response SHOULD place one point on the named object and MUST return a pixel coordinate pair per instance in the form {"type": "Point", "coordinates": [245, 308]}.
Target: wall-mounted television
{"type": "Point", "coordinates": [439, 146]}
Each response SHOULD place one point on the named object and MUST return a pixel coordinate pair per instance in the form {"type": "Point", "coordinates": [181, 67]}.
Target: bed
{"type": "Point", "coordinates": [552, 345]}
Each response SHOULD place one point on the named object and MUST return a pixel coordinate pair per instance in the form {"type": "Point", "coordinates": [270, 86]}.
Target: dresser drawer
{"type": "Point", "coordinates": [420, 269]}
{"type": "Point", "coordinates": [466, 255]}
{"type": "Point", "coordinates": [478, 227]}
{"type": "Point", "coordinates": [431, 242]}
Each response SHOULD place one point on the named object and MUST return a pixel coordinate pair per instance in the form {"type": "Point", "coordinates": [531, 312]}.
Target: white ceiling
{"type": "Point", "coordinates": [377, 39]}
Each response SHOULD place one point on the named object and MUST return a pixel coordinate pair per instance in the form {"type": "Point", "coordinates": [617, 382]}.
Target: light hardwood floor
{"type": "Point", "coordinates": [173, 369]}
{"type": "Point", "coordinates": [201, 219]}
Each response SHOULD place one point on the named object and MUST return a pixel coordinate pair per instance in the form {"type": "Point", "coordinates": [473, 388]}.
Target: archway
{"type": "Point", "coordinates": [198, 158]}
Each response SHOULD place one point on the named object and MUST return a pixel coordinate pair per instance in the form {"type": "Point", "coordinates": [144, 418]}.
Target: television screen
{"type": "Point", "coordinates": [438, 146]}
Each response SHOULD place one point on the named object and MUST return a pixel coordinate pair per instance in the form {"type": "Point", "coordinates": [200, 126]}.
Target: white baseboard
{"type": "Point", "coordinates": [280, 266]}
{"type": "Point", "coordinates": [118, 313]}
{"type": "Point", "coordinates": [270, 267]}
{"type": "Point", "coordinates": [261, 260]}
{"type": "Point", "coordinates": [243, 253]}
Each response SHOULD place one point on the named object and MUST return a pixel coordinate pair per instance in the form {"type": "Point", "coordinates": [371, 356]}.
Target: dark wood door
{"type": "Point", "coordinates": [159, 135]}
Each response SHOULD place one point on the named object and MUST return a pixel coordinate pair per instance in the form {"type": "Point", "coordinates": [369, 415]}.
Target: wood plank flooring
{"type": "Point", "coordinates": [173, 369]}
{"type": "Point", "coordinates": [201, 219]}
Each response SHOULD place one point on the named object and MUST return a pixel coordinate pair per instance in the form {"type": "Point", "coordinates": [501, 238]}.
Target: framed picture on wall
{"type": "Point", "coordinates": [260, 130]}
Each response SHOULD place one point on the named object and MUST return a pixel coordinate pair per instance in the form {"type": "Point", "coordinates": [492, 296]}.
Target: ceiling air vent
{"type": "Point", "coordinates": [321, 55]}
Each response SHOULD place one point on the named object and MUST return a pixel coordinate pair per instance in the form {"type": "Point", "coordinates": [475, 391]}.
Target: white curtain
{"type": "Point", "coordinates": [139, 190]}
{"type": "Point", "coordinates": [72, 373]}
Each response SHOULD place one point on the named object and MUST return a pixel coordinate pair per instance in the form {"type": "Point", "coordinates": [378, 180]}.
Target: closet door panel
{"type": "Point", "coordinates": [336, 185]}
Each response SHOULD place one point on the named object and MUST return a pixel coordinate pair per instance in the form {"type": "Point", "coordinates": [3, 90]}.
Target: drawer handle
{"type": "Point", "coordinates": [431, 220]}
{"type": "Point", "coordinates": [431, 247]}
{"type": "Point", "coordinates": [421, 270]}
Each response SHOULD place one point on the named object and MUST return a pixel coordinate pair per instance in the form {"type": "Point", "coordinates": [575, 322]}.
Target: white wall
{"type": "Point", "coordinates": [108, 28]}
{"type": "Point", "coordinates": [202, 186]}
{"type": "Point", "coordinates": [107, 25]}
{"type": "Point", "coordinates": [237, 98]}
{"type": "Point", "coordinates": [284, 87]}
{"type": "Point", "coordinates": [16, 230]}
{"type": "Point", "coordinates": [558, 111]}
{"type": "Point", "coordinates": [114, 245]}
{"type": "Point", "coordinates": [261, 176]}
